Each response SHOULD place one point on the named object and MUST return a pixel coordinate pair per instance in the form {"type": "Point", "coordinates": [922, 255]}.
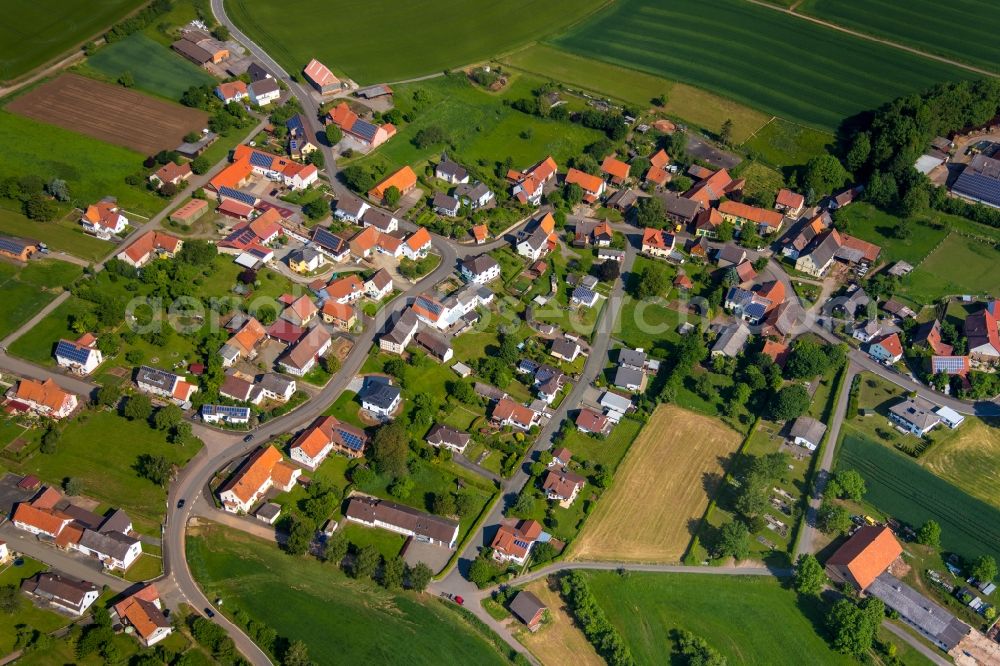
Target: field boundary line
{"type": "Point", "coordinates": [754, 133]}
{"type": "Point", "coordinates": [872, 38]}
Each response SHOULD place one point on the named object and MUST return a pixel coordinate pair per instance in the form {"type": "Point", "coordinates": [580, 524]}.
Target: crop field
{"type": "Point", "coordinates": [960, 29]}
{"type": "Point", "coordinates": [970, 460]}
{"type": "Point", "coordinates": [903, 489]}
{"type": "Point", "coordinates": [781, 143]}
{"type": "Point", "coordinates": [32, 33]}
{"type": "Point", "coordinates": [772, 625]}
{"type": "Point", "coordinates": [27, 290]}
{"type": "Point", "coordinates": [92, 168]}
{"type": "Point", "coordinates": [560, 642]}
{"type": "Point", "coordinates": [110, 113]}
{"type": "Point", "coordinates": [693, 105]}
{"type": "Point", "coordinates": [936, 275]}
{"type": "Point", "coordinates": [766, 59]}
{"type": "Point", "coordinates": [406, 39]}
{"type": "Point", "coordinates": [155, 68]}
{"type": "Point", "coordinates": [664, 483]}
{"type": "Point", "coordinates": [340, 619]}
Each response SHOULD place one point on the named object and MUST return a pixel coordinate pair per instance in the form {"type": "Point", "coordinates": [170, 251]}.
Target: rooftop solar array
{"type": "Point", "coordinates": [979, 187]}
{"type": "Point", "coordinates": [351, 440]}
{"type": "Point", "coordinates": [429, 305]}
{"type": "Point", "coordinates": [949, 364]}
{"type": "Point", "coordinates": [12, 245]}
{"type": "Point", "coordinates": [325, 238]}
{"type": "Point", "coordinates": [364, 129]}
{"type": "Point", "coordinates": [521, 544]}
{"type": "Point", "coordinates": [755, 310]}
{"type": "Point", "coordinates": [231, 193]}
{"type": "Point", "coordinates": [72, 351]}
{"type": "Point", "coordinates": [583, 294]}
{"type": "Point", "coordinates": [260, 160]}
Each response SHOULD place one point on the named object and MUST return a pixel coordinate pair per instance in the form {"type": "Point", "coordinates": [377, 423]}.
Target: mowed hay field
{"type": "Point", "coordinates": [970, 459]}
{"type": "Point", "coordinates": [560, 642]}
{"type": "Point", "coordinates": [110, 113]}
{"type": "Point", "coordinates": [387, 40]}
{"type": "Point", "coordinates": [662, 487]}
{"type": "Point", "coordinates": [964, 30]}
{"type": "Point", "coordinates": [764, 58]}
{"type": "Point", "coordinates": [694, 105]}
{"type": "Point", "coordinates": [36, 31]}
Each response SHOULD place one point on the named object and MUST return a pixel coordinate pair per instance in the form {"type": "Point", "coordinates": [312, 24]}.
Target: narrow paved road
{"type": "Point", "coordinates": [930, 653]}
{"type": "Point", "coordinates": [74, 565]}
{"type": "Point", "coordinates": [806, 540]}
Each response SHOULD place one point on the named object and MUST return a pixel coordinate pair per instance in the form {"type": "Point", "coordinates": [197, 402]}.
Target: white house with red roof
{"type": "Point", "coordinates": [528, 186]}
{"type": "Point", "coordinates": [143, 612]}
{"type": "Point", "coordinates": [418, 244]}
{"type": "Point", "coordinates": [509, 413]}
{"type": "Point", "coordinates": [513, 543]}
{"type": "Point", "coordinates": [104, 219]}
{"type": "Point", "coordinates": [233, 91]}
{"type": "Point", "coordinates": [263, 470]}
{"type": "Point", "coordinates": [149, 245]}
{"type": "Point", "coordinates": [165, 384]}
{"type": "Point", "coordinates": [887, 349]}
{"type": "Point", "coordinates": [657, 243]}
{"type": "Point", "coordinates": [80, 356]}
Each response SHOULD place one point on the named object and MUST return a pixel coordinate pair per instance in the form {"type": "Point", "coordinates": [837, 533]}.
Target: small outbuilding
{"type": "Point", "coordinates": [529, 609]}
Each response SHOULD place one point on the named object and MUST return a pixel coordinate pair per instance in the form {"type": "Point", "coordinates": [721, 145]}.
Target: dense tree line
{"type": "Point", "coordinates": [881, 147]}
{"type": "Point", "coordinates": [138, 21]}
{"type": "Point", "coordinates": [595, 624]}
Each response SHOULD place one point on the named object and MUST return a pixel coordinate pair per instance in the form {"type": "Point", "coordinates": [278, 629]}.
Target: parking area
{"type": "Point", "coordinates": [10, 494]}
{"type": "Point", "coordinates": [436, 557]}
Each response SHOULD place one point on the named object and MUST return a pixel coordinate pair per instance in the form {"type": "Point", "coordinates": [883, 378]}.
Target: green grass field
{"type": "Point", "coordinates": [749, 619]}
{"type": "Point", "coordinates": [959, 265]}
{"type": "Point", "coordinates": [783, 144]}
{"type": "Point", "coordinates": [608, 451]}
{"type": "Point", "coordinates": [765, 59]}
{"type": "Point", "coordinates": [903, 489]}
{"type": "Point", "coordinates": [39, 345]}
{"type": "Point", "coordinates": [27, 290]}
{"type": "Point", "coordinates": [32, 33]}
{"type": "Point", "coordinates": [92, 169]}
{"type": "Point", "coordinates": [960, 29]}
{"type": "Point", "coordinates": [688, 103]}
{"type": "Point", "coordinates": [404, 39]}
{"type": "Point", "coordinates": [479, 126]}
{"type": "Point", "coordinates": [101, 452]}
{"type": "Point", "coordinates": [154, 67]}
{"type": "Point", "coordinates": [340, 619]}
{"type": "Point", "coordinates": [875, 226]}
{"type": "Point", "coordinates": [63, 235]}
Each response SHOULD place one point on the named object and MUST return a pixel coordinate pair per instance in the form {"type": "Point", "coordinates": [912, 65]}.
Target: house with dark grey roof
{"type": "Point", "coordinates": [628, 378]}
{"type": "Point", "coordinates": [679, 209]}
{"type": "Point", "coordinates": [444, 436]}
{"type": "Point", "coordinates": [350, 208]}
{"type": "Point", "coordinates": [402, 519]}
{"type": "Point", "coordinates": [930, 619]}
{"type": "Point", "coordinates": [807, 431]}
{"type": "Point", "coordinates": [474, 196]}
{"type": "Point", "coordinates": [436, 345]}
{"type": "Point", "coordinates": [67, 594]}
{"type": "Point", "coordinates": [914, 415]}
{"type": "Point", "coordinates": [528, 608]}
{"type": "Point", "coordinates": [730, 255]}
{"type": "Point", "coordinates": [479, 269]}
{"type": "Point", "coordinates": [451, 172]}
{"type": "Point", "coordinates": [632, 358]}
{"type": "Point", "coordinates": [401, 333]}
{"type": "Point", "coordinates": [565, 349]}
{"type": "Point", "coordinates": [445, 204]}
{"type": "Point", "coordinates": [380, 397]}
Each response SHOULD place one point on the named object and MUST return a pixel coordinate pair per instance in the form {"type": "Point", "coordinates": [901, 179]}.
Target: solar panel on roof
{"type": "Point", "coordinates": [521, 544]}
{"type": "Point", "coordinates": [583, 294]}
{"type": "Point", "coordinates": [364, 129]}
{"type": "Point", "coordinates": [12, 245]}
{"type": "Point", "coordinates": [755, 310]}
{"type": "Point", "coordinates": [260, 160]}
{"type": "Point", "coordinates": [978, 186]}
{"type": "Point", "coordinates": [74, 353]}
{"type": "Point", "coordinates": [351, 440]}
{"type": "Point", "coordinates": [429, 305]}
{"type": "Point", "coordinates": [949, 364]}
{"type": "Point", "coordinates": [243, 197]}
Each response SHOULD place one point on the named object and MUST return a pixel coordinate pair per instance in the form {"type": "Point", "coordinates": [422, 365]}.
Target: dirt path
{"type": "Point", "coordinates": [833, 26]}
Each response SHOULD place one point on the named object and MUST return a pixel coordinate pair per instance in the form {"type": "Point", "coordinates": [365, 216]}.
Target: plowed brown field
{"type": "Point", "coordinates": [110, 113]}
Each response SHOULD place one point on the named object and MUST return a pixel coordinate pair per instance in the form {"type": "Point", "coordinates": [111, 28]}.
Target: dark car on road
{"type": "Point", "coordinates": [181, 503]}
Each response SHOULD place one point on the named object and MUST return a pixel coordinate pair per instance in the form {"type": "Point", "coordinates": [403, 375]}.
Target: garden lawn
{"type": "Point", "coordinates": [28, 290]}
{"type": "Point", "coordinates": [824, 75]}
{"type": "Point", "coordinates": [958, 266]}
{"type": "Point", "coordinates": [100, 449]}
{"type": "Point", "coordinates": [92, 169]}
{"type": "Point", "coordinates": [39, 345]}
{"type": "Point", "coordinates": [27, 613]}
{"type": "Point", "coordinates": [773, 625]}
{"type": "Point", "coordinates": [688, 103]}
{"type": "Point", "coordinates": [901, 488]}
{"type": "Point", "coordinates": [608, 451]}
{"type": "Point", "coordinates": [411, 39]}
{"type": "Point", "coordinates": [341, 620]}
{"type": "Point", "coordinates": [388, 543]}
{"type": "Point", "coordinates": [346, 408]}
{"type": "Point", "coordinates": [875, 226]}
{"type": "Point", "coordinates": [960, 29]}
{"type": "Point", "coordinates": [63, 235]}
{"type": "Point", "coordinates": [781, 143]}
{"type": "Point", "coordinates": [155, 68]}
{"type": "Point", "coordinates": [32, 33]}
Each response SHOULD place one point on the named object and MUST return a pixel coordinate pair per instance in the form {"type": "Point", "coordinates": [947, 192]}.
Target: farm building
{"type": "Point", "coordinates": [402, 519]}
{"type": "Point", "coordinates": [17, 248]}
{"type": "Point", "coordinates": [320, 76]}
